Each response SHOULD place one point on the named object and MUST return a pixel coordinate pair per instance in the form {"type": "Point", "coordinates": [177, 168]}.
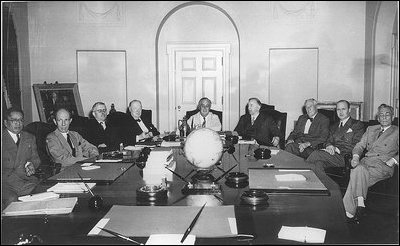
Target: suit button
{"type": "Point", "coordinates": [377, 154]}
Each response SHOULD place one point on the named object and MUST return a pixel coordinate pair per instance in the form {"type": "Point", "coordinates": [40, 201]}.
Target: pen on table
{"type": "Point", "coordinates": [120, 235]}
{"type": "Point", "coordinates": [87, 186]}
{"type": "Point", "coordinates": [189, 229]}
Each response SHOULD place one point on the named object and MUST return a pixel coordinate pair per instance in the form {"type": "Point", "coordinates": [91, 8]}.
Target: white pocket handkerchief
{"type": "Point", "coordinates": [350, 130]}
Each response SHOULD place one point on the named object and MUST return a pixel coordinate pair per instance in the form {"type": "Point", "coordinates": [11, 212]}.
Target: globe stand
{"type": "Point", "coordinates": [203, 183]}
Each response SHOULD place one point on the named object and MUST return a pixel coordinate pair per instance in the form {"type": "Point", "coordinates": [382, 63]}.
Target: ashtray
{"type": "Point", "coordinates": [237, 177]}
{"type": "Point", "coordinates": [151, 193]}
{"type": "Point", "coordinates": [255, 197]}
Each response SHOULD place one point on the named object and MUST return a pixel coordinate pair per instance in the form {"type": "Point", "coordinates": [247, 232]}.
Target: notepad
{"type": "Point", "coordinates": [302, 234]}
{"type": "Point", "coordinates": [88, 168]}
{"type": "Point", "coordinates": [170, 239]}
{"type": "Point", "coordinates": [39, 197]}
{"type": "Point", "coordinates": [109, 160]}
{"type": "Point", "coordinates": [56, 206]}
{"type": "Point", "coordinates": [170, 144]}
{"type": "Point", "coordinates": [71, 187]}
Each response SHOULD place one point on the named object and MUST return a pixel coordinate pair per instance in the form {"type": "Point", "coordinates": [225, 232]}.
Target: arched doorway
{"type": "Point", "coordinates": [174, 19]}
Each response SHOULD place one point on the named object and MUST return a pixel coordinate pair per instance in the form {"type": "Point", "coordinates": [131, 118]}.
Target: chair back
{"type": "Point", "coordinates": [193, 112]}
{"type": "Point", "coordinates": [330, 114]}
{"type": "Point", "coordinates": [280, 119]}
{"type": "Point", "coordinates": [263, 108]}
{"type": "Point", "coordinates": [40, 130]}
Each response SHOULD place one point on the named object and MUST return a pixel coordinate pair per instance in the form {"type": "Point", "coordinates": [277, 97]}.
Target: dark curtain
{"type": "Point", "coordinates": [10, 81]}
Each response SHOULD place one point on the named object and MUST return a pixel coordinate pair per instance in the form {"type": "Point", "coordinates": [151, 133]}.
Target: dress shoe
{"type": "Point", "coordinates": [353, 221]}
{"type": "Point", "coordinates": [360, 212]}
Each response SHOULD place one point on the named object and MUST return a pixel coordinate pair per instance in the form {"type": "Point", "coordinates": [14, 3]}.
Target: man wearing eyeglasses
{"type": "Point", "coordinates": [381, 146]}
{"type": "Point", "coordinates": [19, 158]}
{"type": "Point", "coordinates": [100, 132]}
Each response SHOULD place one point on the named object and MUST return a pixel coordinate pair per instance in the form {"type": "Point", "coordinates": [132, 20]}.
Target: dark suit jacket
{"type": "Point", "coordinates": [263, 129]}
{"type": "Point", "coordinates": [317, 134]}
{"type": "Point", "coordinates": [134, 129]}
{"type": "Point", "coordinates": [13, 159]}
{"type": "Point", "coordinates": [347, 137]}
{"type": "Point", "coordinates": [96, 135]}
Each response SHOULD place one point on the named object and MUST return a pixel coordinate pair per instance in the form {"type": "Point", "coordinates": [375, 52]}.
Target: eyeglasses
{"type": "Point", "coordinates": [101, 110]}
{"type": "Point", "coordinates": [387, 115]}
{"type": "Point", "coordinates": [15, 121]}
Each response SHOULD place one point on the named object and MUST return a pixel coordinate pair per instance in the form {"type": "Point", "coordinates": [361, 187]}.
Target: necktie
{"type": "Point", "coordinates": [204, 122]}
{"type": "Point", "coordinates": [311, 119]}
{"type": "Point", "coordinates": [103, 124]}
{"type": "Point", "coordinates": [70, 145]}
{"type": "Point", "coordinates": [341, 125]}
{"type": "Point", "coordinates": [252, 120]}
{"type": "Point", "coordinates": [380, 133]}
{"type": "Point", "coordinates": [18, 139]}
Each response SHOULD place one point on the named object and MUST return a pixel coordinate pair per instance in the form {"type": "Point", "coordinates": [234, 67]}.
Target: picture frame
{"type": "Point", "coordinates": [50, 97]}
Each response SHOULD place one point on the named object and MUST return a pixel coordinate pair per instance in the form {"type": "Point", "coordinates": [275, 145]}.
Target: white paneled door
{"type": "Point", "coordinates": [198, 74]}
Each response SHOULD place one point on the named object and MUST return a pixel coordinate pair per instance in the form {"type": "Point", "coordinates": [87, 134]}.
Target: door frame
{"type": "Point", "coordinates": [172, 49]}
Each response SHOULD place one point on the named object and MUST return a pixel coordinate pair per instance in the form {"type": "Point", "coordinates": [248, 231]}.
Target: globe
{"type": "Point", "coordinates": [203, 148]}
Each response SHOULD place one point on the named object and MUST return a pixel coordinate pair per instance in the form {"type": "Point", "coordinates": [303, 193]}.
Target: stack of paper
{"type": "Point", "coordinates": [71, 187]}
{"type": "Point", "coordinates": [170, 144]}
{"type": "Point", "coordinates": [39, 197]}
{"type": "Point", "coordinates": [56, 206]}
{"type": "Point", "coordinates": [290, 177]}
{"type": "Point", "coordinates": [302, 234]}
{"type": "Point", "coordinates": [155, 170]}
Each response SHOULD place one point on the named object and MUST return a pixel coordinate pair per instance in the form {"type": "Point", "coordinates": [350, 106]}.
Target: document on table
{"type": "Point", "coordinates": [56, 206]}
{"type": "Point", "coordinates": [39, 197]}
{"type": "Point", "coordinates": [290, 177]}
{"type": "Point", "coordinates": [302, 234]}
{"type": "Point", "coordinates": [71, 187]}
{"type": "Point", "coordinates": [143, 221]}
{"type": "Point", "coordinates": [170, 239]}
{"type": "Point", "coordinates": [170, 144]}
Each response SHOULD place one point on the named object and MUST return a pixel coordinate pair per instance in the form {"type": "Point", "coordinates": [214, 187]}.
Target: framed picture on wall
{"type": "Point", "coordinates": [50, 97]}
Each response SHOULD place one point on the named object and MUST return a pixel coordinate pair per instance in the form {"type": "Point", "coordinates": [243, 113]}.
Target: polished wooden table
{"type": "Point", "coordinates": [265, 222]}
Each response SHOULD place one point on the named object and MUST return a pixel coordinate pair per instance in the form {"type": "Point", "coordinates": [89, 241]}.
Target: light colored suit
{"type": "Point", "coordinates": [15, 182]}
{"type": "Point", "coordinates": [61, 152]}
{"type": "Point", "coordinates": [372, 167]}
{"type": "Point", "coordinates": [212, 121]}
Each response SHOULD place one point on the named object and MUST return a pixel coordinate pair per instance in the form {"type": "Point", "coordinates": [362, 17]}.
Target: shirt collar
{"type": "Point", "coordinates": [345, 121]}
{"type": "Point", "coordinates": [13, 135]}
{"type": "Point", "coordinates": [385, 128]}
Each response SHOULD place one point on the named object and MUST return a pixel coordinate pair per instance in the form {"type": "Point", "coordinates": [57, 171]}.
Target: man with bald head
{"type": "Point", "coordinates": [258, 125]}
{"type": "Point", "coordinates": [310, 131]}
{"type": "Point", "coordinates": [19, 159]}
{"type": "Point", "coordinates": [65, 146]}
{"type": "Point", "coordinates": [140, 126]}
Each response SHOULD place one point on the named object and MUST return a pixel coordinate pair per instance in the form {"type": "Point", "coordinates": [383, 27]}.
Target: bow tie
{"type": "Point", "coordinates": [311, 119]}
{"type": "Point", "coordinates": [138, 120]}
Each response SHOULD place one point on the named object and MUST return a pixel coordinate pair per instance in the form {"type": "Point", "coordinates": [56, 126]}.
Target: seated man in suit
{"type": "Point", "coordinates": [204, 118]}
{"type": "Point", "coordinates": [141, 127]}
{"type": "Point", "coordinates": [65, 146]}
{"type": "Point", "coordinates": [381, 144]}
{"type": "Point", "coordinates": [311, 130]}
{"type": "Point", "coordinates": [100, 132]}
{"type": "Point", "coordinates": [258, 125]}
{"type": "Point", "coordinates": [19, 158]}
{"type": "Point", "coordinates": [342, 139]}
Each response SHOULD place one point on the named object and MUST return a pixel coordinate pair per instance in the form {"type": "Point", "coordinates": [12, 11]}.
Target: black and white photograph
{"type": "Point", "coordinates": [200, 122]}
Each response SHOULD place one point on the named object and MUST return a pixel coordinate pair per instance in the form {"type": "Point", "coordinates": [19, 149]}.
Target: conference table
{"type": "Point", "coordinates": [264, 222]}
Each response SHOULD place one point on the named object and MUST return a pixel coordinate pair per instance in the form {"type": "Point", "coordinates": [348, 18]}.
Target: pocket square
{"type": "Point", "coordinates": [350, 130]}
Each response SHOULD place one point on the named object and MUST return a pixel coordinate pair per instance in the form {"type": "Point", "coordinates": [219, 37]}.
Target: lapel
{"type": "Point", "coordinates": [63, 141]}
{"type": "Point", "coordinates": [384, 135]}
{"type": "Point", "coordinates": [340, 132]}
{"type": "Point", "coordinates": [9, 141]}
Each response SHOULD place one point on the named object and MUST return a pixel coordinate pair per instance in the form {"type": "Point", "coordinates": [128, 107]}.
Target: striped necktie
{"type": "Point", "coordinates": [103, 124]}
{"type": "Point", "coordinates": [204, 122]}
{"type": "Point", "coordinates": [18, 139]}
{"type": "Point", "coordinates": [252, 120]}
